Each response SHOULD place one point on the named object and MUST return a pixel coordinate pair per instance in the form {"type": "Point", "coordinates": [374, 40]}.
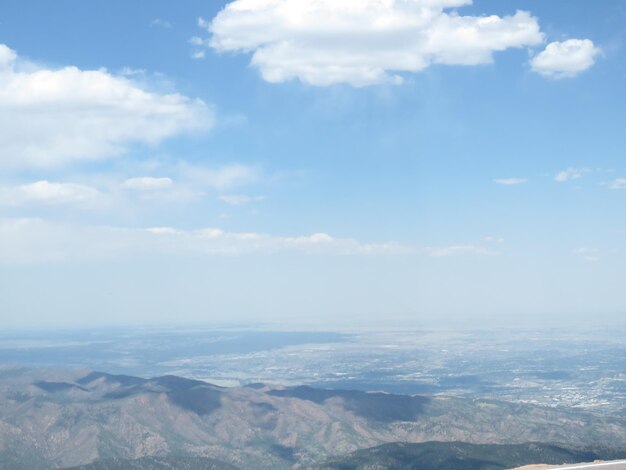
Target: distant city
{"type": "Point", "coordinates": [547, 367]}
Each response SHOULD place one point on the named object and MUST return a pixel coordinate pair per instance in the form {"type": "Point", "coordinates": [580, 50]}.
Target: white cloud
{"type": "Point", "coordinates": [192, 183]}
{"type": "Point", "coordinates": [511, 181]}
{"type": "Point", "coordinates": [161, 23]}
{"type": "Point", "coordinates": [586, 251]}
{"type": "Point", "coordinates": [147, 183]}
{"type": "Point", "coordinates": [54, 117]}
{"type": "Point", "coordinates": [47, 193]}
{"type": "Point", "coordinates": [239, 199]}
{"type": "Point", "coordinates": [619, 183]}
{"type": "Point", "coordinates": [497, 240]}
{"type": "Point", "coordinates": [363, 42]}
{"type": "Point", "coordinates": [224, 178]}
{"type": "Point", "coordinates": [197, 41]}
{"type": "Point", "coordinates": [565, 59]}
{"type": "Point", "coordinates": [588, 254]}
{"type": "Point", "coordinates": [571, 174]}
{"type": "Point", "coordinates": [7, 57]}
{"type": "Point", "coordinates": [460, 250]}
{"type": "Point", "coordinates": [37, 240]}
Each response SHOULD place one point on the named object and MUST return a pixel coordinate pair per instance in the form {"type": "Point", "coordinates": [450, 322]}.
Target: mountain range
{"type": "Point", "coordinates": [74, 418]}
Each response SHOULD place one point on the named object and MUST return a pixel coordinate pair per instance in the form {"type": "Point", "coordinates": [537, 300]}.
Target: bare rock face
{"type": "Point", "coordinates": [56, 419]}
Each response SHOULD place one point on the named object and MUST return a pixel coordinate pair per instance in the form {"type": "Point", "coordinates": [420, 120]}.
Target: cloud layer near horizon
{"type": "Point", "coordinates": [32, 240]}
{"type": "Point", "coordinates": [36, 240]}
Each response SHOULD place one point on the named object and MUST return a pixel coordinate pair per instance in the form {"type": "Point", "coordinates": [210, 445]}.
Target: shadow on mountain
{"type": "Point", "coordinates": [54, 387]}
{"type": "Point", "coordinates": [172, 382]}
{"type": "Point", "coordinates": [191, 395]}
{"type": "Point", "coordinates": [124, 380]}
{"type": "Point", "coordinates": [383, 407]}
{"type": "Point", "coordinates": [255, 385]}
{"type": "Point", "coordinates": [201, 400]}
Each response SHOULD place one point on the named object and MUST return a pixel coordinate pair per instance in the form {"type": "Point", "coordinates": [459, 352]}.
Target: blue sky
{"type": "Point", "coordinates": [304, 163]}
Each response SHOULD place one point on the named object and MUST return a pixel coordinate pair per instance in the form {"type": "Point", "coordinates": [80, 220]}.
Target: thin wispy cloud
{"type": "Point", "coordinates": [588, 254]}
{"type": "Point", "coordinates": [510, 181]}
{"type": "Point", "coordinates": [147, 183]}
{"type": "Point", "coordinates": [460, 250]}
{"type": "Point", "coordinates": [199, 46]}
{"type": "Point", "coordinates": [223, 178]}
{"type": "Point", "coordinates": [619, 183]}
{"type": "Point", "coordinates": [571, 174]}
{"type": "Point", "coordinates": [239, 199]}
{"type": "Point", "coordinates": [161, 23]}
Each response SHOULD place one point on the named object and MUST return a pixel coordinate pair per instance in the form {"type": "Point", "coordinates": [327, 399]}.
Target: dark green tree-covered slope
{"type": "Point", "coordinates": [462, 456]}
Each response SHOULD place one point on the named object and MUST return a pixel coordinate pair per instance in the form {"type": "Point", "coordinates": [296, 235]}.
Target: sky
{"type": "Point", "coordinates": [312, 162]}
